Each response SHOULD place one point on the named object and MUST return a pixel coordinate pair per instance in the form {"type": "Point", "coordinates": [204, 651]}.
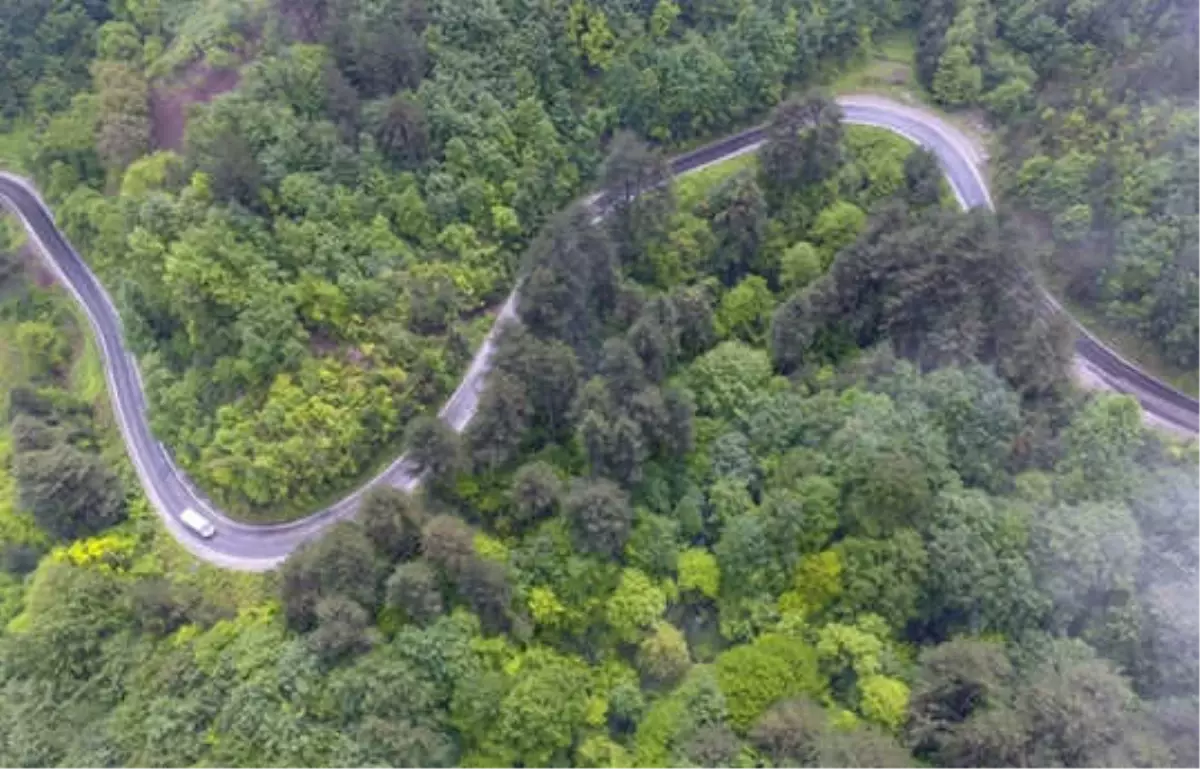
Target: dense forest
{"type": "Point", "coordinates": [1097, 103]}
{"type": "Point", "coordinates": [311, 264]}
{"type": "Point", "coordinates": [767, 475]}
{"type": "Point", "coordinates": [782, 465]}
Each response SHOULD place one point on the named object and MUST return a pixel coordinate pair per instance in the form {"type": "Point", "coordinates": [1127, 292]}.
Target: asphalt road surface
{"type": "Point", "coordinates": [260, 547]}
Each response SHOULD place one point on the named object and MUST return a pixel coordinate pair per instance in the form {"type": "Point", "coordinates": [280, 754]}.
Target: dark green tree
{"type": "Point", "coordinates": [342, 562]}
{"type": "Point", "coordinates": [435, 447]}
{"type": "Point", "coordinates": [536, 493]}
{"type": "Point", "coordinates": [71, 494]}
{"type": "Point", "coordinates": [694, 310]}
{"type": "Point", "coordinates": [392, 521]}
{"type": "Point", "coordinates": [551, 375]}
{"type": "Point", "coordinates": [739, 222]}
{"type": "Point", "coordinates": [401, 131]}
{"type": "Point", "coordinates": [494, 435]}
{"type": "Point", "coordinates": [485, 585]}
{"type": "Point", "coordinates": [600, 517]}
{"type": "Point", "coordinates": [343, 630]}
{"type": "Point", "coordinates": [414, 588]}
{"type": "Point", "coordinates": [803, 145]}
{"type": "Point", "coordinates": [449, 544]}
{"type": "Point", "coordinates": [922, 178]}
{"type": "Point", "coordinates": [791, 733]}
{"type": "Point", "coordinates": [638, 192]}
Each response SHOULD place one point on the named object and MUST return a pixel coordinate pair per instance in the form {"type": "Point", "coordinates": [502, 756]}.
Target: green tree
{"type": "Point", "coordinates": [979, 577]}
{"type": "Point", "coordinates": [892, 463]}
{"type": "Point", "coordinates": [543, 713]}
{"type": "Point", "coordinates": [1100, 449]}
{"type": "Point", "coordinates": [653, 546]}
{"type": "Point", "coordinates": [414, 588]}
{"type": "Point", "coordinates": [392, 521]}
{"type": "Point", "coordinates": [340, 563]}
{"type": "Point", "coordinates": [980, 416]}
{"type": "Point", "coordinates": [747, 559]}
{"type": "Point", "coordinates": [343, 629]}
{"type": "Point", "coordinates": [699, 571]}
{"type": "Point", "coordinates": [922, 178]}
{"type": "Point", "coordinates": [799, 266]}
{"type": "Point", "coordinates": [663, 18]}
{"type": "Point", "coordinates": [118, 41]}
{"type": "Point", "coordinates": [745, 312]}
{"type": "Point", "coordinates": [123, 120]}
{"type": "Point", "coordinates": [1084, 558]}
{"type": "Point", "coordinates": [448, 544]}
{"type": "Point", "coordinates": [434, 446]}
{"type": "Point", "coordinates": [663, 655]}
{"type": "Point", "coordinates": [728, 379]}
{"type": "Point", "coordinates": [836, 227]}
{"type": "Point", "coordinates": [70, 614]}
{"type": "Point", "coordinates": [536, 493]}
{"type": "Point", "coordinates": [42, 349]}
{"type": "Point", "coordinates": [883, 577]}
{"type": "Point", "coordinates": [802, 520]}
{"type": "Point", "coordinates": [379, 741]}
{"type": "Point", "coordinates": [600, 517]}
{"type": "Point", "coordinates": [755, 676]}
{"type": "Point", "coordinates": [71, 494]}
{"type": "Point", "coordinates": [958, 82]}
{"type": "Point", "coordinates": [635, 605]}
{"type": "Point", "coordinates": [590, 35]}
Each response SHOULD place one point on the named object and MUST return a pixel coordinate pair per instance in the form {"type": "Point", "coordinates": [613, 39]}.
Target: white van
{"type": "Point", "coordinates": [198, 523]}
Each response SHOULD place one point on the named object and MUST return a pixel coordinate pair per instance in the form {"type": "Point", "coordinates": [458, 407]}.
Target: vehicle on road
{"type": "Point", "coordinates": [198, 523]}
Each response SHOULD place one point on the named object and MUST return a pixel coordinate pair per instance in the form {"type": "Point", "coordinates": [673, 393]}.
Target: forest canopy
{"type": "Point", "coordinates": [741, 514]}
{"type": "Point", "coordinates": [780, 465]}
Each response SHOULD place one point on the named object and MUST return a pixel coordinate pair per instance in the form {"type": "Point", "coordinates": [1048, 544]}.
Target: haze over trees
{"type": "Point", "coordinates": [1097, 112]}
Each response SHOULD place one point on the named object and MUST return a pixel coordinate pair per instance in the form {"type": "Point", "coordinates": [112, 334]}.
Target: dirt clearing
{"type": "Point", "coordinates": [169, 102]}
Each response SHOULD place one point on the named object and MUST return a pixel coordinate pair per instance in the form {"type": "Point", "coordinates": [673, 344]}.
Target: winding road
{"type": "Point", "coordinates": [261, 547]}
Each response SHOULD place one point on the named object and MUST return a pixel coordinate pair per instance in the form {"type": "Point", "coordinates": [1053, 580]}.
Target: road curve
{"type": "Point", "coordinates": [261, 547]}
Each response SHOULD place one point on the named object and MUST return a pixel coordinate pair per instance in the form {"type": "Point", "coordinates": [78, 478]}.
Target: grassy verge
{"type": "Point", "coordinates": [886, 68]}
{"type": "Point", "coordinates": [86, 377]}
{"type": "Point", "coordinates": [694, 187]}
{"type": "Point", "coordinates": [16, 146]}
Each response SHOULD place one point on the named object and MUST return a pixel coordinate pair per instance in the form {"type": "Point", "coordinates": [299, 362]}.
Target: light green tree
{"type": "Point", "coordinates": [745, 312]}
{"type": "Point", "coordinates": [799, 266]}
{"type": "Point", "coordinates": [698, 570]}
{"type": "Point", "coordinates": [635, 605]}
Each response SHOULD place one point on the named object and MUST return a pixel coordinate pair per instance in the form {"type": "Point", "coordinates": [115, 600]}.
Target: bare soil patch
{"type": "Point", "coordinates": [169, 102]}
